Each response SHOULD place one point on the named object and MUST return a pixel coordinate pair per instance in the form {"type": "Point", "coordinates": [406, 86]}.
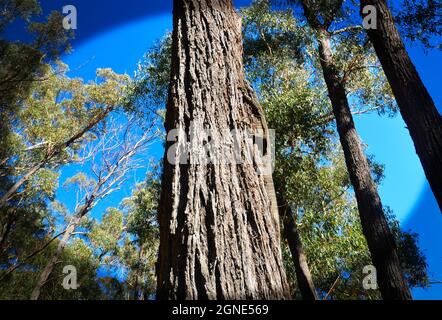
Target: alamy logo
{"type": "Point", "coordinates": [370, 20]}
{"type": "Point", "coordinates": [370, 281]}
{"type": "Point", "coordinates": [70, 281]}
{"type": "Point", "coordinates": [203, 146]}
{"type": "Point", "coordinates": [70, 19]}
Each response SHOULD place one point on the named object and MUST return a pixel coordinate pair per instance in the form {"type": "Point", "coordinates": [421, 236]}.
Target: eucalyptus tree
{"type": "Point", "coordinates": [59, 117]}
{"type": "Point", "coordinates": [220, 216]}
{"type": "Point", "coordinates": [18, 284]}
{"type": "Point", "coordinates": [280, 65]}
{"type": "Point", "coordinates": [23, 63]}
{"type": "Point", "coordinates": [380, 240]}
{"type": "Point", "coordinates": [328, 248]}
{"type": "Point", "coordinates": [347, 72]}
{"type": "Point", "coordinates": [418, 110]}
{"type": "Point", "coordinates": [112, 160]}
{"type": "Point", "coordinates": [44, 129]}
{"type": "Point", "coordinates": [126, 242]}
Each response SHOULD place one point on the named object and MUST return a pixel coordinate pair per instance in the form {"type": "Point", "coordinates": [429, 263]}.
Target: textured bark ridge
{"type": "Point", "coordinates": [415, 103]}
{"type": "Point", "coordinates": [380, 241]}
{"type": "Point", "coordinates": [218, 221]}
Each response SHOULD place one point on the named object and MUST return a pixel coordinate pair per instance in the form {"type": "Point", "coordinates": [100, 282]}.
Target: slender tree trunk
{"type": "Point", "coordinates": [44, 276]}
{"type": "Point", "coordinates": [375, 227]}
{"type": "Point", "coordinates": [6, 229]}
{"type": "Point", "coordinates": [139, 278]}
{"type": "Point", "coordinates": [219, 236]}
{"type": "Point", "coordinates": [302, 270]}
{"type": "Point", "coordinates": [13, 189]}
{"type": "Point", "coordinates": [415, 103]}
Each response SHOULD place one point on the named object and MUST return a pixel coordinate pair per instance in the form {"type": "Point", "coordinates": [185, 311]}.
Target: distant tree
{"type": "Point", "coordinates": [24, 63]}
{"type": "Point", "coordinates": [59, 117]}
{"type": "Point", "coordinates": [280, 61]}
{"type": "Point", "coordinates": [114, 158]}
{"type": "Point", "coordinates": [56, 118]}
{"type": "Point", "coordinates": [374, 224]}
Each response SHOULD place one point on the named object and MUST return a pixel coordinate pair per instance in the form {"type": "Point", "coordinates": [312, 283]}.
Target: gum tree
{"type": "Point", "coordinates": [320, 16]}
{"type": "Point", "coordinates": [418, 110]}
{"type": "Point", "coordinates": [220, 216]}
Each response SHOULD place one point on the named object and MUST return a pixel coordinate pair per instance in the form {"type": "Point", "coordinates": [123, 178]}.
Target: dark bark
{"type": "Point", "coordinates": [302, 270]}
{"type": "Point", "coordinates": [415, 103]}
{"type": "Point", "coordinates": [219, 230]}
{"type": "Point", "coordinates": [380, 240]}
{"type": "Point", "coordinates": [139, 286]}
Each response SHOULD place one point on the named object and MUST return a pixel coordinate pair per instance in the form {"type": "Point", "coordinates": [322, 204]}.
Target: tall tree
{"type": "Point", "coordinates": [374, 223]}
{"type": "Point", "coordinates": [116, 158]}
{"type": "Point", "coordinates": [418, 110]}
{"type": "Point", "coordinates": [221, 216]}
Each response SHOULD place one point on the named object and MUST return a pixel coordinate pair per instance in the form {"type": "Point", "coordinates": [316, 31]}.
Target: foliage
{"type": "Point", "coordinates": [420, 21]}
{"type": "Point", "coordinates": [135, 255]}
{"type": "Point", "coordinates": [42, 108]}
{"type": "Point", "coordinates": [310, 170]}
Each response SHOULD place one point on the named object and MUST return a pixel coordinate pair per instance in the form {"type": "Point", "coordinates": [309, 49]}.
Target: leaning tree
{"type": "Point", "coordinates": [417, 108]}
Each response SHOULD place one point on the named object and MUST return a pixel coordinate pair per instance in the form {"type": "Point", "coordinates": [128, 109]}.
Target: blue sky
{"type": "Point", "coordinates": [115, 34]}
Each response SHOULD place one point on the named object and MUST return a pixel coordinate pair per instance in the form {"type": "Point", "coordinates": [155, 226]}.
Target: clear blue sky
{"type": "Point", "coordinates": [115, 34]}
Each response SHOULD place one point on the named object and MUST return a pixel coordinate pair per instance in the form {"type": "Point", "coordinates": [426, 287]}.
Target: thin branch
{"type": "Point", "coordinates": [332, 288]}
{"type": "Point", "coordinates": [41, 249]}
{"type": "Point", "coordinates": [346, 29]}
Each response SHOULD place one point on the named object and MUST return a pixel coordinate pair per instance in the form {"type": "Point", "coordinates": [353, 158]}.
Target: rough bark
{"type": "Point", "coordinates": [415, 103]}
{"type": "Point", "coordinates": [380, 240]}
{"type": "Point", "coordinates": [302, 270]}
{"type": "Point", "coordinates": [219, 230]}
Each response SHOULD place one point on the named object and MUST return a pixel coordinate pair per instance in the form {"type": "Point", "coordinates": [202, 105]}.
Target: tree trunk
{"type": "Point", "coordinates": [415, 103]}
{"type": "Point", "coordinates": [375, 227]}
{"type": "Point", "coordinates": [13, 189]}
{"type": "Point", "coordinates": [6, 229]}
{"type": "Point", "coordinates": [218, 221]}
{"type": "Point", "coordinates": [303, 275]}
{"type": "Point", "coordinates": [139, 278]}
{"type": "Point", "coordinates": [44, 276]}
